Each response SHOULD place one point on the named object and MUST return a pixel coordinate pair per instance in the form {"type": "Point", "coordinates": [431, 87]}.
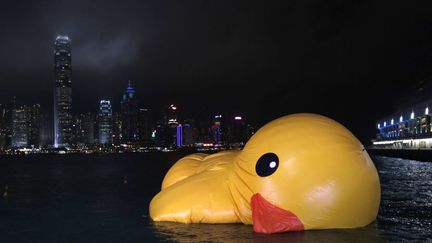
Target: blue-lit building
{"type": "Point", "coordinates": [179, 135]}
{"type": "Point", "coordinates": [216, 129]}
{"type": "Point", "coordinates": [129, 116]}
{"type": "Point", "coordinates": [63, 121]}
{"type": "Point", "coordinates": [410, 127]}
{"type": "Point", "coordinates": [105, 122]}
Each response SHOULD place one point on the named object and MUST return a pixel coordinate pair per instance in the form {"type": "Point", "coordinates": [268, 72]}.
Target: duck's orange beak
{"type": "Point", "coordinates": [268, 218]}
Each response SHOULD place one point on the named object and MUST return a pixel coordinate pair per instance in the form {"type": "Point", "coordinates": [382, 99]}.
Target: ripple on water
{"type": "Point", "coordinates": [84, 198]}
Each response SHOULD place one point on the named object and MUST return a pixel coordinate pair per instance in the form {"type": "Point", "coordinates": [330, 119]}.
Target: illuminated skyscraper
{"type": "Point", "coordinates": [216, 129]}
{"type": "Point", "coordinates": [20, 127]}
{"type": "Point", "coordinates": [105, 122]}
{"type": "Point", "coordinates": [168, 129]}
{"type": "Point", "coordinates": [129, 116]}
{"type": "Point", "coordinates": [84, 127]}
{"type": "Point", "coordinates": [179, 136]}
{"type": "Point", "coordinates": [34, 121]}
{"type": "Point", "coordinates": [171, 116]}
{"type": "Point", "coordinates": [88, 128]}
{"type": "Point", "coordinates": [63, 121]}
{"type": "Point", "coordinates": [145, 126]}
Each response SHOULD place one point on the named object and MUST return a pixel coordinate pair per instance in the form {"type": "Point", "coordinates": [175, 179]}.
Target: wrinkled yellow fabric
{"type": "Point", "coordinates": [325, 177]}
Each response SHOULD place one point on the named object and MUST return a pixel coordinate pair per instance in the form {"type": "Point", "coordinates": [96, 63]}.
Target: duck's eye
{"type": "Point", "coordinates": [267, 164]}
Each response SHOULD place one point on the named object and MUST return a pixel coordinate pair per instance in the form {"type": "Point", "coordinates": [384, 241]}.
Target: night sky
{"type": "Point", "coordinates": [349, 60]}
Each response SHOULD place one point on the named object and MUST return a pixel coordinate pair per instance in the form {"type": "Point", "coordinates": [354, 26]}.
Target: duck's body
{"type": "Point", "coordinates": [188, 177]}
{"type": "Point", "coordinates": [298, 172]}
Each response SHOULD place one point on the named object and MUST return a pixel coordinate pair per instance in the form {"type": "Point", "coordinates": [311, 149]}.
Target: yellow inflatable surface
{"type": "Point", "coordinates": [298, 172]}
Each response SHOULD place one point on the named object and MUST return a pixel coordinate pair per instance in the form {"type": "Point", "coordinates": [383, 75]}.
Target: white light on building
{"type": "Point", "coordinates": [401, 118]}
{"type": "Point", "coordinates": [427, 111]}
{"type": "Point", "coordinates": [412, 115]}
{"type": "Point", "coordinates": [392, 121]}
{"type": "Point", "coordinates": [379, 125]}
{"type": "Point", "coordinates": [385, 123]}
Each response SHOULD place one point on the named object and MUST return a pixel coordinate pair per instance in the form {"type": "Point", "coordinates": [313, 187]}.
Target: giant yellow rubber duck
{"type": "Point", "coordinates": [298, 172]}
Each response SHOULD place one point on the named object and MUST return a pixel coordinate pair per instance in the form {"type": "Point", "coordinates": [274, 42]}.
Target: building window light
{"type": "Point", "coordinates": [412, 115]}
{"type": "Point", "coordinates": [427, 111]}
{"type": "Point", "coordinates": [401, 118]}
{"type": "Point", "coordinates": [379, 125]}
{"type": "Point", "coordinates": [385, 123]}
{"type": "Point", "coordinates": [392, 121]}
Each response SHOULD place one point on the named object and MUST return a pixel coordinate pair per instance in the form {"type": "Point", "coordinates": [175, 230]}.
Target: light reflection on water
{"type": "Point", "coordinates": [83, 198]}
{"type": "Point", "coordinates": [244, 233]}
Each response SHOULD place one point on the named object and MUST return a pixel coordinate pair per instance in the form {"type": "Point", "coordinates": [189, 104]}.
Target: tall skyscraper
{"type": "Point", "coordinates": [88, 128]}
{"type": "Point", "coordinates": [34, 120]}
{"type": "Point", "coordinates": [105, 122]}
{"type": "Point", "coordinates": [63, 121]}
{"type": "Point", "coordinates": [216, 129]}
{"type": "Point", "coordinates": [166, 129]}
{"type": "Point", "coordinates": [46, 131]}
{"type": "Point", "coordinates": [20, 130]}
{"type": "Point", "coordinates": [117, 128]}
{"type": "Point", "coordinates": [129, 116]}
{"type": "Point", "coordinates": [145, 126]}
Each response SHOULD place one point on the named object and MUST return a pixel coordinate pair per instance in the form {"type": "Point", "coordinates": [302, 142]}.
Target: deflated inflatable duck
{"type": "Point", "coordinates": [298, 172]}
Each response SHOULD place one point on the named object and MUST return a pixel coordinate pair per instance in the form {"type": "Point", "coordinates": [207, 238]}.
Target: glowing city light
{"type": "Point", "coordinates": [392, 121]}
{"type": "Point", "coordinates": [379, 125]}
{"type": "Point", "coordinates": [385, 123]}
{"type": "Point", "coordinates": [412, 115]}
{"type": "Point", "coordinates": [237, 118]}
{"type": "Point", "coordinates": [218, 116]}
{"type": "Point", "coordinates": [179, 137]}
{"type": "Point", "coordinates": [401, 118]}
{"type": "Point", "coordinates": [427, 111]}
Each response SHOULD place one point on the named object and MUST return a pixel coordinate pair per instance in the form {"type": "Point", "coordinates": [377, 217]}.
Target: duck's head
{"type": "Point", "coordinates": [307, 171]}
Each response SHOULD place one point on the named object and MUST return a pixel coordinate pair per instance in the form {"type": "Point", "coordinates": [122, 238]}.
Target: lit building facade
{"type": "Point", "coordinates": [179, 135]}
{"type": "Point", "coordinates": [167, 131]}
{"type": "Point", "coordinates": [129, 116]}
{"type": "Point", "coordinates": [117, 128]}
{"type": "Point", "coordinates": [409, 128]}
{"type": "Point", "coordinates": [34, 123]}
{"type": "Point", "coordinates": [145, 127]}
{"type": "Point", "coordinates": [63, 121]}
{"type": "Point", "coordinates": [171, 116]}
{"type": "Point", "coordinates": [84, 127]}
{"type": "Point", "coordinates": [105, 122]}
{"type": "Point", "coordinates": [88, 127]}
{"type": "Point", "coordinates": [20, 127]}
{"type": "Point", "coordinates": [216, 129]}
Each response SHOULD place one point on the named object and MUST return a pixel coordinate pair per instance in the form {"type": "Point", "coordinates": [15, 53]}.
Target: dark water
{"type": "Point", "coordinates": [84, 198]}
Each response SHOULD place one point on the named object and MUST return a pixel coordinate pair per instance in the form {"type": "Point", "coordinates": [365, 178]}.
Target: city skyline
{"type": "Point", "coordinates": [24, 127]}
{"type": "Point", "coordinates": [340, 59]}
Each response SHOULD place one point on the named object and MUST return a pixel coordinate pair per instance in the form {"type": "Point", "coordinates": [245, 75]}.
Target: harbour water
{"type": "Point", "coordinates": [104, 198]}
